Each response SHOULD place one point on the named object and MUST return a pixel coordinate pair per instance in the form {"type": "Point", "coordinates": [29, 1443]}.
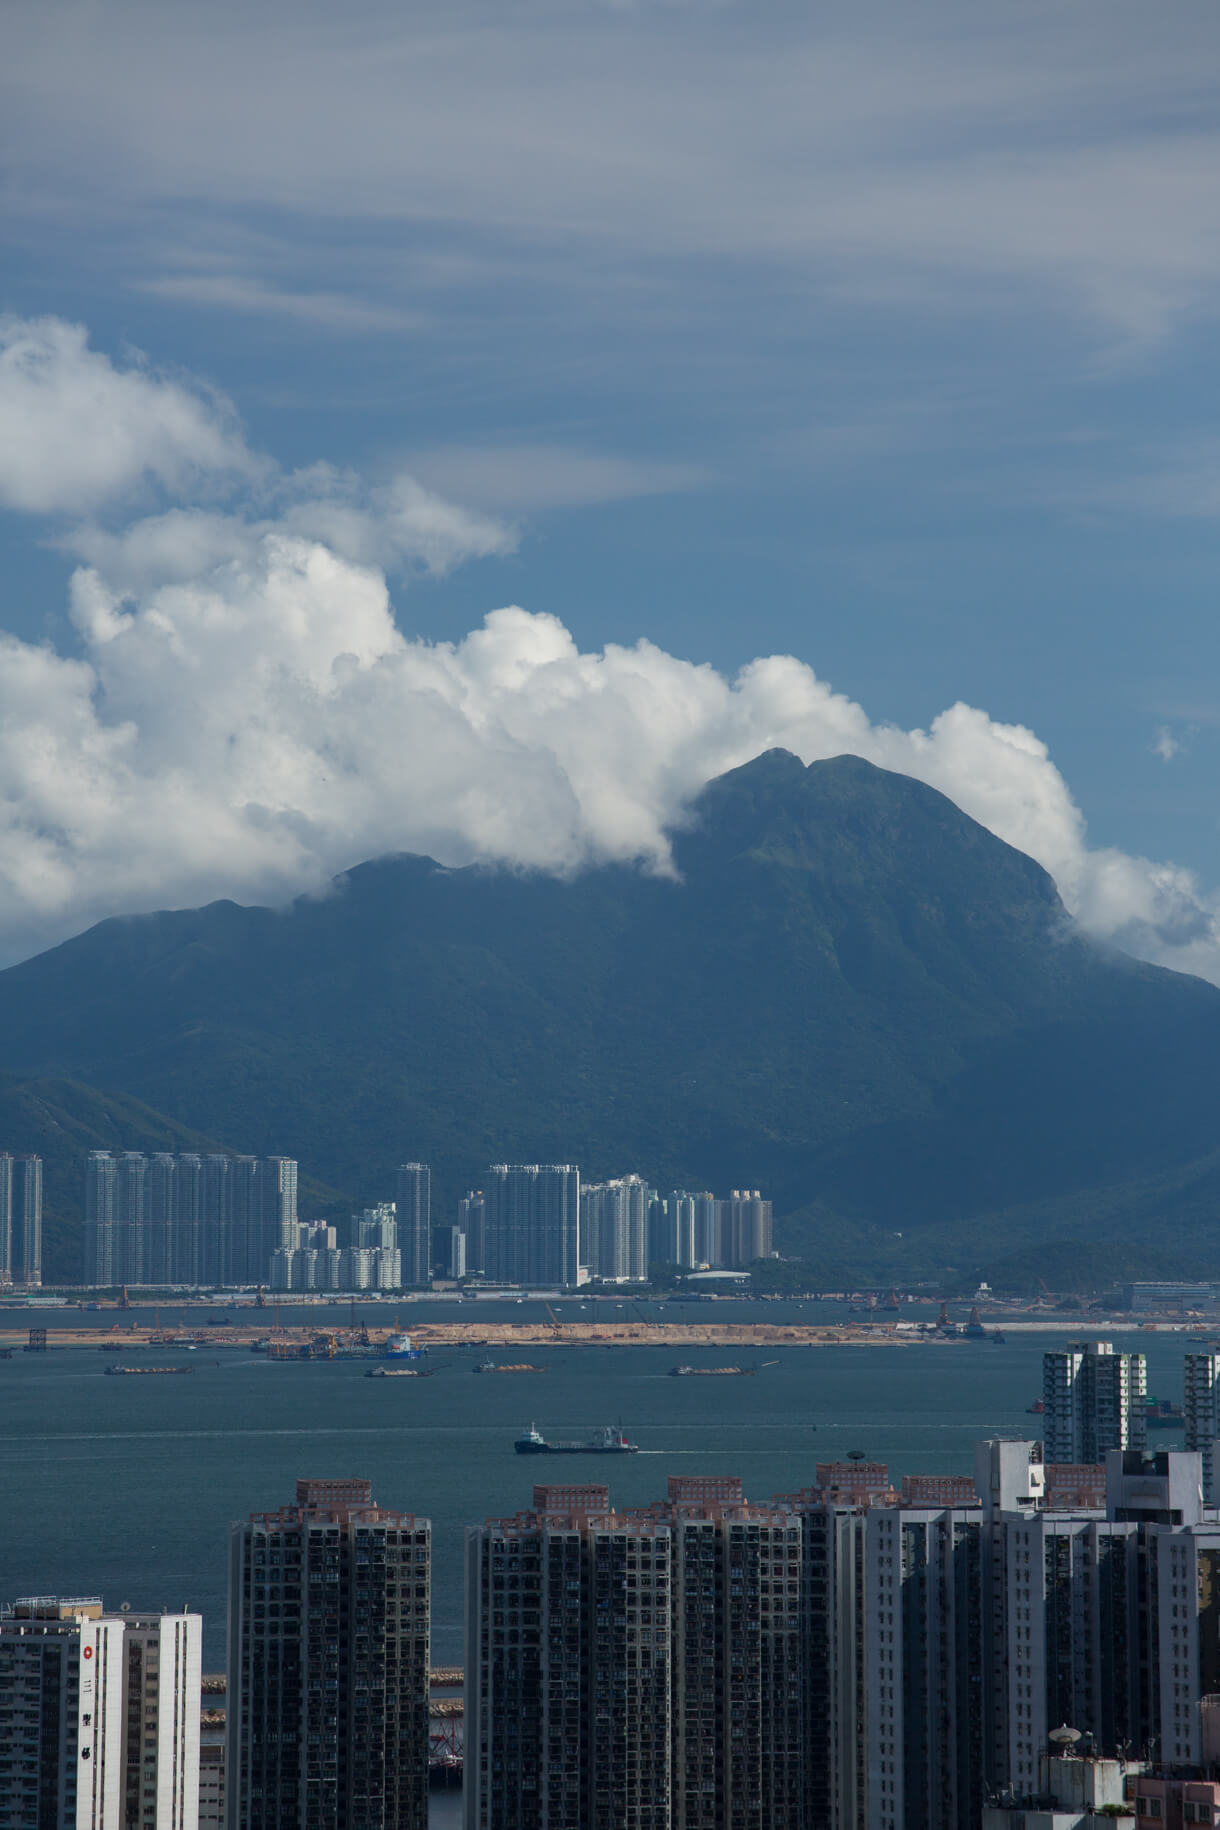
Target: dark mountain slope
{"type": "Point", "coordinates": [851, 993]}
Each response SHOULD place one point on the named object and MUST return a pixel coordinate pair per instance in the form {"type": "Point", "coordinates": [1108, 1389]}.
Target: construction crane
{"type": "Point", "coordinates": [556, 1324]}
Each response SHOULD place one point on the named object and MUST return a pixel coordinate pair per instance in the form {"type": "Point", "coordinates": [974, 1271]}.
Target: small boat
{"type": "Point", "coordinates": [608, 1441]}
{"type": "Point", "coordinates": [398, 1372]}
{"type": "Point", "coordinates": [1036, 1408]}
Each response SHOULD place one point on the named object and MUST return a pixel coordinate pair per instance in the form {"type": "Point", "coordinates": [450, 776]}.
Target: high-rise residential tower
{"type": "Point", "coordinates": [183, 1219]}
{"type": "Point", "coordinates": [327, 1704]}
{"type": "Point", "coordinates": [21, 1221]}
{"type": "Point", "coordinates": [743, 1229]}
{"type": "Point", "coordinates": [104, 1264]}
{"type": "Point", "coordinates": [684, 1230]}
{"type": "Point", "coordinates": [6, 1219]}
{"type": "Point", "coordinates": [1093, 1400]}
{"type": "Point", "coordinates": [278, 1211]}
{"type": "Point", "coordinates": [99, 1718]}
{"type": "Point", "coordinates": [471, 1214]}
{"type": "Point", "coordinates": [923, 1667]}
{"type": "Point", "coordinates": [614, 1229]}
{"type": "Point", "coordinates": [414, 1203]}
{"type": "Point", "coordinates": [635, 1668]}
{"type": "Point", "coordinates": [1201, 1403]}
{"type": "Point", "coordinates": [161, 1727]}
{"type": "Point", "coordinates": [531, 1224]}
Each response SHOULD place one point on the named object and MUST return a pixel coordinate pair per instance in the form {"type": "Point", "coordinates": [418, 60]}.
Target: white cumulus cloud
{"type": "Point", "coordinates": [245, 717]}
{"type": "Point", "coordinates": [256, 721]}
{"type": "Point", "coordinates": [76, 432]}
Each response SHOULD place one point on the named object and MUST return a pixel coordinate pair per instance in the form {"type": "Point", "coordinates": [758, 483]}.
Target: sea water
{"type": "Point", "coordinates": [125, 1487]}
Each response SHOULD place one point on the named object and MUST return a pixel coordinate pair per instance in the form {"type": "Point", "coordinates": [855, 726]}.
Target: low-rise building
{"type": "Point", "coordinates": [1072, 1793]}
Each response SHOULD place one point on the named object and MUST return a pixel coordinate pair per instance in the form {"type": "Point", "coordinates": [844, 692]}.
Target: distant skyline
{"type": "Point", "coordinates": [766, 377]}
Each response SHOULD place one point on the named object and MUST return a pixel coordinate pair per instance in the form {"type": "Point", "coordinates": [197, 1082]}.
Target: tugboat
{"type": "Point", "coordinates": [608, 1441]}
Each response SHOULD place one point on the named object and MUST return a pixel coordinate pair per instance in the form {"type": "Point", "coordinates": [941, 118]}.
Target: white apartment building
{"type": "Point", "coordinates": [1093, 1400]}
{"type": "Point", "coordinates": [99, 1717]}
{"type": "Point", "coordinates": [1201, 1402]}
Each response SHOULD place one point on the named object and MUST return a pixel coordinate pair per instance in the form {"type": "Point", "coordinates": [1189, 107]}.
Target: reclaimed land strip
{"type": "Point", "coordinates": [508, 1334]}
{"type": "Point", "coordinates": [577, 1334]}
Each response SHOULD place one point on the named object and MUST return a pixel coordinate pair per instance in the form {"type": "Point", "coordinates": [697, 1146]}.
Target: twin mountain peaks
{"type": "Point", "coordinates": [849, 995]}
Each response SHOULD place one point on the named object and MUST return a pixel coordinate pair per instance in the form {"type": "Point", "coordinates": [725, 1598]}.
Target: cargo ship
{"type": "Point", "coordinates": [144, 1372]}
{"type": "Point", "coordinates": [718, 1372]}
{"type": "Point", "coordinates": [398, 1372]}
{"type": "Point", "coordinates": [399, 1347]}
{"type": "Point", "coordinates": [489, 1366]}
{"type": "Point", "coordinates": [608, 1441]}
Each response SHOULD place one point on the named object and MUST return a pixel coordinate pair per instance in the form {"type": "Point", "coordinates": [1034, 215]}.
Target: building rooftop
{"type": "Point", "coordinates": [54, 1607]}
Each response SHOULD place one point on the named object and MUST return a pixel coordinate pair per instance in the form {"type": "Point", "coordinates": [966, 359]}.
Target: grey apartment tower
{"type": "Point", "coordinates": [186, 1219]}
{"type": "Point", "coordinates": [531, 1223]}
{"type": "Point", "coordinates": [614, 1229]}
{"type": "Point", "coordinates": [327, 1709]}
{"type": "Point", "coordinates": [20, 1220]}
{"type": "Point", "coordinates": [414, 1203]}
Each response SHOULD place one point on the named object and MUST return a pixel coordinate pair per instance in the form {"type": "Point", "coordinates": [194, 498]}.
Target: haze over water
{"type": "Point", "coordinates": [126, 1487]}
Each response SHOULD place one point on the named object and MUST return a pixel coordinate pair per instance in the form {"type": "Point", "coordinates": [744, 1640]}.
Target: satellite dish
{"type": "Point", "coordinates": [1064, 1737]}
{"type": "Point", "coordinates": [124, 1607]}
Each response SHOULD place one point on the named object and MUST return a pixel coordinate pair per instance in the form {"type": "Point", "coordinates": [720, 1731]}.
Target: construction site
{"type": "Point", "coordinates": [291, 1332]}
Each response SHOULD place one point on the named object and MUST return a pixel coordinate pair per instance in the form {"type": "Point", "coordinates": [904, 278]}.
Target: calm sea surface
{"type": "Point", "coordinates": [126, 1487]}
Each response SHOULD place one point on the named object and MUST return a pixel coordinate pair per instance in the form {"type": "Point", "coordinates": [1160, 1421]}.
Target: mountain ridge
{"type": "Point", "coordinates": [848, 992]}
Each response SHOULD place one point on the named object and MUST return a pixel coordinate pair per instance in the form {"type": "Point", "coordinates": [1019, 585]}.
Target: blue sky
{"type": "Point", "coordinates": [882, 340]}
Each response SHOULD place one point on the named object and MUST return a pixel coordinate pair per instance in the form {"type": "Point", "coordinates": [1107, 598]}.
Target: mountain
{"type": "Point", "coordinates": [848, 994]}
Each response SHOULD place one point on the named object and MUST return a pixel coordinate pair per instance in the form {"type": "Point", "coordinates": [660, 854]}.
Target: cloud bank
{"type": "Point", "coordinates": [244, 716]}
{"type": "Point", "coordinates": [1068, 150]}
